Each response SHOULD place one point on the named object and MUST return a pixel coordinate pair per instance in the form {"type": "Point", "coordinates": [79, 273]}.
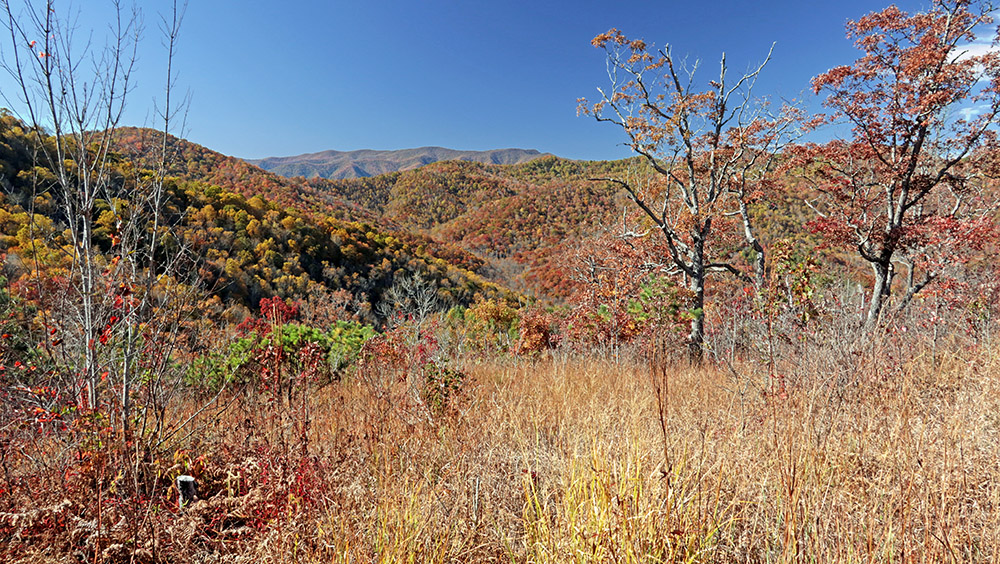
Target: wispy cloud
{"type": "Point", "coordinates": [981, 46]}
{"type": "Point", "coordinates": [968, 113]}
{"type": "Point", "coordinates": [983, 43]}
{"type": "Point", "coordinates": [976, 49]}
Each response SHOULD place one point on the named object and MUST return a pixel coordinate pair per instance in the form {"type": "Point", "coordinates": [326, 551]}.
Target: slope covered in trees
{"type": "Point", "coordinates": [516, 217]}
{"type": "Point", "coordinates": [513, 224]}
{"type": "Point", "coordinates": [190, 161]}
{"type": "Point", "coordinates": [247, 233]}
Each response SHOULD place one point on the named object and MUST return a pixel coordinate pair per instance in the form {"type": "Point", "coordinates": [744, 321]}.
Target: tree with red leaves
{"type": "Point", "coordinates": [903, 189]}
{"type": "Point", "coordinates": [712, 149]}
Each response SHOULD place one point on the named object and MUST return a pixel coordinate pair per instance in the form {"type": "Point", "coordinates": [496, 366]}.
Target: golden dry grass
{"type": "Point", "coordinates": [564, 461]}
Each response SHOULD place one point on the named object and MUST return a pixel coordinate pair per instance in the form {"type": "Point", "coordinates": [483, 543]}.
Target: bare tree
{"type": "Point", "coordinates": [116, 307]}
{"type": "Point", "coordinates": [82, 110]}
{"type": "Point", "coordinates": [410, 296]}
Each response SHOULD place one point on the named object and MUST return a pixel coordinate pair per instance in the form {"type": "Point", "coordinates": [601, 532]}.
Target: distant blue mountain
{"type": "Point", "coordinates": [366, 162]}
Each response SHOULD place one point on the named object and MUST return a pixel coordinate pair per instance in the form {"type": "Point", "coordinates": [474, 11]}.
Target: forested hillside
{"type": "Point", "coordinates": [248, 234]}
{"type": "Point", "coordinates": [516, 217]}
{"type": "Point", "coordinates": [512, 220]}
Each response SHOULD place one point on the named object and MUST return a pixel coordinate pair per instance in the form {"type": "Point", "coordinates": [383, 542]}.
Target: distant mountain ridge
{"type": "Point", "coordinates": [367, 162]}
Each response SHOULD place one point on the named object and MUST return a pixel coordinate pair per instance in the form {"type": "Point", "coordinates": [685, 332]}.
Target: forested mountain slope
{"type": "Point", "coordinates": [516, 217]}
{"type": "Point", "coordinates": [248, 234]}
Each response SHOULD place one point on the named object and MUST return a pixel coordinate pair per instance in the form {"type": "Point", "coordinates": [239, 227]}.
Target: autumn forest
{"type": "Point", "coordinates": [766, 336]}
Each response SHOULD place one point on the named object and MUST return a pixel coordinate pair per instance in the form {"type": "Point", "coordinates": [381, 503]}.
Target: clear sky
{"type": "Point", "coordinates": [270, 78]}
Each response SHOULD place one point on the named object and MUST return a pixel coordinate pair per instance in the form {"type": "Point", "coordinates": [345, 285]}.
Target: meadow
{"type": "Point", "coordinates": [558, 457]}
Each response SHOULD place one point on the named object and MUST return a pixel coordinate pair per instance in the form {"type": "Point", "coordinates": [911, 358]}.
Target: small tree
{"type": "Point", "coordinates": [410, 296]}
{"type": "Point", "coordinates": [900, 189]}
{"type": "Point", "coordinates": [712, 151]}
{"type": "Point", "coordinates": [118, 314]}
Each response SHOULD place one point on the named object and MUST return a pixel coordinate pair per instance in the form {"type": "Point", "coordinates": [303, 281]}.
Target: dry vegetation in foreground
{"type": "Point", "coordinates": [558, 460]}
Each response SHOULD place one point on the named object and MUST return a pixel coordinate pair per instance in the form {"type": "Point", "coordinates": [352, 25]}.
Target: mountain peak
{"type": "Point", "coordinates": [369, 162]}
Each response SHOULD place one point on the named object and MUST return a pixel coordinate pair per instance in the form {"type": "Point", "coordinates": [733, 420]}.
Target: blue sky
{"type": "Point", "coordinates": [282, 78]}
